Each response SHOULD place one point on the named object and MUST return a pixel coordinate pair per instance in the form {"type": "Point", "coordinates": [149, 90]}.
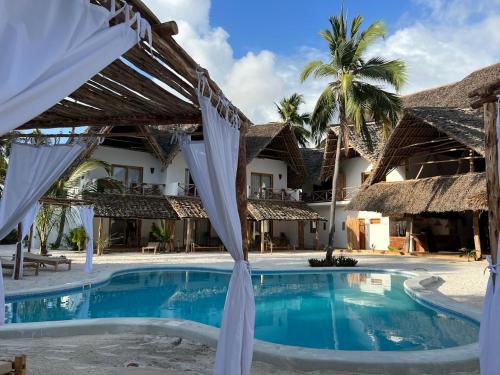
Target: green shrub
{"type": "Point", "coordinates": [339, 261]}
{"type": "Point", "coordinates": [78, 237]}
{"type": "Point", "coordinates": [11, 238]}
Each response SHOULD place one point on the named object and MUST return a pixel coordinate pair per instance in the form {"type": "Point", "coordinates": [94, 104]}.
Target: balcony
{"type": "Point", "coordinates": [187, 190]}
{"type": "Point", "coordinates": [136, 189]}
{"type": "Point", "coordinates": [343, 194]}
{"type": "Point", "coordinates": [275, 194]}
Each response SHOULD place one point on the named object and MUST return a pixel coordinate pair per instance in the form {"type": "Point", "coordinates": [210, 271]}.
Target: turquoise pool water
{"type": "Point", "coordinates": [334, 310]}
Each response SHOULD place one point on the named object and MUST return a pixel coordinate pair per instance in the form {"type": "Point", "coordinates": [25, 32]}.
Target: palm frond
{"type": "Point", "coordinates": [311, 67]}
{"type": "Point", "coordinates": [375, 31]}
{"type": "Point", "coordinates": [380, 70]}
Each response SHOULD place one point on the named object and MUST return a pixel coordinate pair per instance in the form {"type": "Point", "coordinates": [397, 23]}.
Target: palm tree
{"type": "Point", "coordinates": [288, 109]}
{"type": "Point", "coordinates": [353, 93]}
{"type": "Point", "coordinates": [62, 188]}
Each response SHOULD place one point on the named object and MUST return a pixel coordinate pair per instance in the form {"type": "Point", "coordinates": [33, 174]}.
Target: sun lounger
{"type": "Point", "coordinates": [195, 247]}
{"type": "Point", "coordinates": [45, 260]}
{"type": "Point", "coordinates": [9, 265]}
{"type": "Point", "coordinates": [151, 246]}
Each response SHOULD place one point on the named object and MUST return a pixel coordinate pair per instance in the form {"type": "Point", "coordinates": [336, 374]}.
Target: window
{"type": "Point", "coordinates": [312, 226]}
{"type": "Point", "coordinates": [261, 184]}
{"type": "Point", "coordinates": [364, 176]}
{"type": "Point", "coordinates": [128, 176]}
{"type": "Point", "coordinates": [374, 221]}
{"type": "Point", "coordinates": [343, 225]}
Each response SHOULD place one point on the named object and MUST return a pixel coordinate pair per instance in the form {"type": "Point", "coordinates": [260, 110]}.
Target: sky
{"type": "Point", "coordinates": [256, 49]}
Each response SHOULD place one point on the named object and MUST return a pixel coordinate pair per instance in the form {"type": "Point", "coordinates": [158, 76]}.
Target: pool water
{"type": "Point", "coordinates": [334, 310]}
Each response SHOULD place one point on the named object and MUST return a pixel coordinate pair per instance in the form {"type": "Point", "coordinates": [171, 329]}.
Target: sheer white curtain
{"type": "Point", "coordinates": [70, 41]}
{"type": "Point", "coordinates": [26, 222]}
{"type": "Point", "coordinates": [489, 334]}
{"type": "Point", "coordinates": [213, 164]}
{"type": "Point", "coordinates": [31, 171]}
{"type": "Point", "coordinates": [87, 216]}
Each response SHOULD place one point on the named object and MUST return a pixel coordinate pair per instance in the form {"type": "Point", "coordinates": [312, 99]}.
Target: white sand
{"type": "Point", "coordinates": [463, 281]}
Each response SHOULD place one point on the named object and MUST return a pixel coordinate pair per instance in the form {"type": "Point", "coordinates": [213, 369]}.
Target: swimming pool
{"type": "Point", "coordinates": [361, 310]}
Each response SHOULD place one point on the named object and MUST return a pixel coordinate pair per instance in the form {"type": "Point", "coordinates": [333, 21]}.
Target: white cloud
{"type": "Point", "coordinates": [453, 38]}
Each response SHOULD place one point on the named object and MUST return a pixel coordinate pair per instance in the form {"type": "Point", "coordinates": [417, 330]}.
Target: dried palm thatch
{"type": "Point", "coordinates": [357, 143]}
{"type": "Point", "coordinates": [281, 210]}
{"type": "Point", "coordinates": [313, 159]}
{"type": "Point", "coordinates": [421, 130]}
{"type": "Point", "coordinates": [434, 194]}
{"type": "Point", "coordinates": [454, 95]}
{"type": "Point", "coordinates": [188, 207]}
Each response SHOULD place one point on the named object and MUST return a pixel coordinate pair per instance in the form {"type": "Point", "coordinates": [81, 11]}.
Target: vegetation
{"type": "Point", "coordinates": [469, 253]}
{"type": "Point", "coordinates": [78, 237]}
{"type": "Point", "coordinates": [47, 219]}
{"type": "Point", "coordinates": [340, 261]}
{"type": "Point", "coordinates": [354, 93]}
{"type": "Point", "coordinates": [288, 109]}
{"type": "Point", "coordinates": [161, 234]}
{"type": "Point", "coordinates": [102, 243]}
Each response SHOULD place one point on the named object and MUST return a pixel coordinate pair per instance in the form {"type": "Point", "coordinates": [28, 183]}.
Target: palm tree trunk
{"type": "Point", "coordinates": [60, 231]}
{"type": "Point", "coordinates": [335, 177]}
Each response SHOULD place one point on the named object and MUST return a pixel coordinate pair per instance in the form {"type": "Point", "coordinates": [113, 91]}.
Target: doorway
{"type": "Point", "coordinates": [124, 233]}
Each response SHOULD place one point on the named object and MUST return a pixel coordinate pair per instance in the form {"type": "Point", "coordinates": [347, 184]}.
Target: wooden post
{"type": "Point", "coordinates": [316, 236]}
{"type": "Point", "coordinates": [241, 187]}
{"type": "Point", "coordinates": [301, 234]}
{"type": "Point", "coordinates": [492, 178]}
{"type": "Point", "coordinates": [409, 230]}
{"type": "Point", "coordinates": [262, 235]}
{"type": "Point", "coordinates": [19, 251]}
{"type": "Point", "coordinates": [477, 237]}
{"type": "Point", "coordinates": [189, 235]}
{"type": "Point", "coordinates": [30, 239]}
{"type": "Point", "coordinates": [100, 249]}
{"type": "Point", "coordinates": [20, 365]}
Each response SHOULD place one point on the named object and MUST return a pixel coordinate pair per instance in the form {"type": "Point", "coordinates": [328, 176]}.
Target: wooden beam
{"type": "Point", "coordinates": [492, 177]}
{"type": "Point", "coordinates": [100, 250]}
{"type": "Point", "coordinates": [262, 236]}
{"type": "Point", "coordinates": [316, 236]}
{"type": "Point", "coordinates": [166, 29]}
{"type": "Point", "coordinates": [153, 144]}
{"type": "Point", "coordinates": [241, 188]}
{"type": "Point", "coordinates": [301, 225]}
{"type": "Point", "coordinates": [30, 239]}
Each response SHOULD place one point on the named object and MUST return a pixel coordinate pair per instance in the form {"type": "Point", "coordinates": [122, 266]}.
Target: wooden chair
{"type": "Point", "coordinates": [151, 246]}
{"type": "Point", "coordinates": [47, 260]}
{"type": "Point", "coordinates": [10, 264]}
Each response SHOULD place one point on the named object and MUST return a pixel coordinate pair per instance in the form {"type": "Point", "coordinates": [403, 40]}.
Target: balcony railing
{"type": "Point", "coordinates": [275, 194]}
{"type": "Point", "coordinates": [187, 190]}
{"type": "Point", "coordinates": [138, 189]}
{"type": "Point", "coordinates": [344, 194]}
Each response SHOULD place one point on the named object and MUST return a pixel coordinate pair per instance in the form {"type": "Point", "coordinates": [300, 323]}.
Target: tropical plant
{"type": "Point", "coordinates": [288, 109]}
{"type": "Point", "coordinates": [469, 253]}
{"type": "Point", "coordinates": [161, 234]}
{"type": "Point", "coordinates": [339, 261]}
{"type": "Point", "coordinates": [64, 186]}
{"type": "Point", "coordinates": [46, 220]}
{"type": "Point", "coordinates": [354, 93]}
{"type": "Point", "coordinates": [78, 237]}
{"type": "Point", "coordinates": [101, 243]}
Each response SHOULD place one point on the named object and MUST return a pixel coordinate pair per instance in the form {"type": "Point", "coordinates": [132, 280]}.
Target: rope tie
{"type": "Point", "coordinates": [491, 267]}
{"type": "Point", "coordinates": [246, 263]}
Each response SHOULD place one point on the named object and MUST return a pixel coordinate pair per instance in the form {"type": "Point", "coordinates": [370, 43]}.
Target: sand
{"type": "Point", "coordinates": [110, 354]}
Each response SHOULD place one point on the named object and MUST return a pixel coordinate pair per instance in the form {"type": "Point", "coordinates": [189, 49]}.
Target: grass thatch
{"type": "Point", "coordinates": [434, 194]}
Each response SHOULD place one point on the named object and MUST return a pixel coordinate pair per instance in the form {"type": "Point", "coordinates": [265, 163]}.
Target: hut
{"type": "Point", "coordinates": [438, 147]}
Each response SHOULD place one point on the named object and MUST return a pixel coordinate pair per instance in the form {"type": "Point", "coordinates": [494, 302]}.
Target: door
{"type": "Point", "coordinates": [124, 232]}
{"type": "Point", "coordinates": [130, 177]}
{"type": "Point", "coordinates": [362, 234]}
{"type": "Point", "coordinates": [261, 185]}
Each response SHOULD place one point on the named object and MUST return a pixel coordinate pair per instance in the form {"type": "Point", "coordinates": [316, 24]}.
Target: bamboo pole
{"type": "Point", "coordinates": [19, 251]}
{"type": "Point", "coordinates": [100, 249]}
{"type": "Point", "coordinates": [262, 235]}
{"type": "Point", "coordinates": [477, 237]}
{"type": "Point", "coordinates": [316, 235]}
{"type": "Point", "coordinates": [30, 239]}
{"type": "Point", "coordinates": [241, 187]}
{"type": "Point", "coordinates": [492, 178]}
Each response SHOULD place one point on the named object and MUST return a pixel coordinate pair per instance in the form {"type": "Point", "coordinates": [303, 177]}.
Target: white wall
{"type": "Point", "coordinates": [397, 174]}
{"type": "Point", "coordinates": [352, 169]}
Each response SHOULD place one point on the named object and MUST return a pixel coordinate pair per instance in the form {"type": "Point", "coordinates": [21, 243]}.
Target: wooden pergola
{"type": "Point", "coordinates": [150, 85]}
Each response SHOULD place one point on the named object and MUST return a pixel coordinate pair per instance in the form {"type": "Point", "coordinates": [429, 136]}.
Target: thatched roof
{"type": "Point", "coordinates": [421, 128]}
{"type": "Point", "coordinates": [129, 206]}
{"type": "Point", "coordinates": [277, 141]}
{"type": "Point", "coordinates": [280, 210]}
{"type": "Point", "coordinates": [313, 159]}
{"type": "Point", "coordinates": [454, 95]}
{"type": "Point", "coordinates": [357, 142]}
{"type": "Point", "coordinates": [434, 194]}
{"type": "Point", "coordinates": [188, 207]}
{"type": "Point", "coordinates": [137, 88]}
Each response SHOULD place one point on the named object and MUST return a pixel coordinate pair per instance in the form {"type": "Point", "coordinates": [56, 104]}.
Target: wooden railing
{"type": "Point", "coordinates": [187, 190]}
{"type": "Point", "coordinates": [139, 189]}
{"type": "Point", "coordinates": [275, 194]}
{"type": "Point", "coordinates": [343, 194]}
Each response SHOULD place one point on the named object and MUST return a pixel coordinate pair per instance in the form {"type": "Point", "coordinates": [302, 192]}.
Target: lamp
{"type": "Point", "coordinates": [152, 170]}
{"type": "Point", "coordinates": [280, 176]}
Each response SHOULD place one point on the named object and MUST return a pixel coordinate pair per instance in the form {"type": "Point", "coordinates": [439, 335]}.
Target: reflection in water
{"type": "Point", "coordinates": [338, 310]}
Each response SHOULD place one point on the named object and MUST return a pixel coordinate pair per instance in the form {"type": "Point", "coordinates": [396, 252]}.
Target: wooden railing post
{"type": "Point", "coordinates": [19, 251]}
{"type": "Point", "coordinates": [241, 190]}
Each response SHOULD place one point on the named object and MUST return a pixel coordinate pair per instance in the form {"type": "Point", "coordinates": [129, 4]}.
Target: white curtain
{"type": "Point", "coordinates": [87, 216]}
{"type": "Point", "coordinates": [213, 164]}
{"type": "Point", "coordinates": [31, 171]}
{"type": "Point", "coordinates": [50, 48]}
{"type": "Point", "coordinates": [489, 333]}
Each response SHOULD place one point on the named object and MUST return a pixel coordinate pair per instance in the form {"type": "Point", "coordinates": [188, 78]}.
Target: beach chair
{"type": "Point", "coordinates": [8, 264]}
{"type": "Point", "coordinates": [154, 246]}
{"type": "Point", "coordinates": [15, 367]}
{"type": "Point", "coordinates": [46, 260]}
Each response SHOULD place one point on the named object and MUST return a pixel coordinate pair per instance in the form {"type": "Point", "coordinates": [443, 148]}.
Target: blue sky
{"type": "Point", "coordinates": [255, 49]}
